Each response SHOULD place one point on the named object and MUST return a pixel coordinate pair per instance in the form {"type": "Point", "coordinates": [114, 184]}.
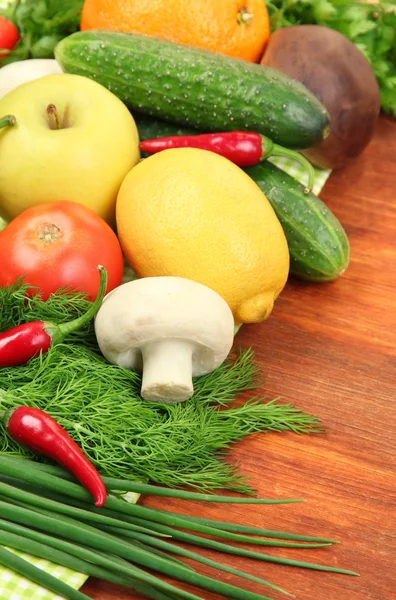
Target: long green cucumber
{"type": "Point", "coordinates": [318, 244]}
{"type": "Point", "coordinates": [196, 87]}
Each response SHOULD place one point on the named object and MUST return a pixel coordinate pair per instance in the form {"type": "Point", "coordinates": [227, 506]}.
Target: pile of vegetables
{"type": "Point", "coordinates": [72, 383]}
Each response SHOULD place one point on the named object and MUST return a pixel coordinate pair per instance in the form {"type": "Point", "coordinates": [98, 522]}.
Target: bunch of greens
{"type": "Point", "coordinates": [123, 435]}
{"type": "Point", "coordinates": [41, 24]}
{"type": "Point", "coordinates": [370, 26]}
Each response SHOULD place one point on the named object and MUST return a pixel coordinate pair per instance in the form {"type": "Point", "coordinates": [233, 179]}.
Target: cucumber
{"type": "Point", "coordinates": [318, 244]}
{"type": "Point", "coordinates": [199, 88]}
{"type": "Point", "coordinates": [149, 127]}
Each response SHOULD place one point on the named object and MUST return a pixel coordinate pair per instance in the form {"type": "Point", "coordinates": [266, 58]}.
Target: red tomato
{"type": "Point", "coordinates": [57, 245]}
{"type": "Point", "coordinates": [9, 34]}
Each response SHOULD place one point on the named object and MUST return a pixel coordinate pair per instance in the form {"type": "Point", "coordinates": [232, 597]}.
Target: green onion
{"type": "Point", "coordinates": [137, 487]}
{"type": "Point", "coordinates": [78, 558]}
{"type": "Point", "coordinates": [215, 545]}
{"type": "Point", "coordinates": [196, 557]}
{"type": "Point", "coordinates": [124, 539]}
{"type": "Point", "coordinates": [39, 501]}
{"type": "Point", "coordinates": [149, 525]}
{"type": "Point", "coordinates": [254, 530]}
{"type": "Point", "coordinates": [88, 536]}
{"type": "Point", "coordinates": [9, 467]}
{"type": "Point", "coordinates": [238, 528]}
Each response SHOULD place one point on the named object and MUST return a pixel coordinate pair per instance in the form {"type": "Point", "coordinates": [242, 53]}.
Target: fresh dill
{"type": "Point", "coordinates": [124, 436]}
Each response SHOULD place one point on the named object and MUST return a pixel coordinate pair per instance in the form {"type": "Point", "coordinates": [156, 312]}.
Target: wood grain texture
{"type": "Point", "coordinates": [331, 350]}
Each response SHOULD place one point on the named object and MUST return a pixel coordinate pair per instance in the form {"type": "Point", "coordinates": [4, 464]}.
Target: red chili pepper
{"type": "Point", "coordinates": [244, 148]}
{"type": "Point", "coordinates": [9, 36]}
{"type": "Point", "coordinates": [21, 343]}
{"type": "Point", "coordinates": [38, 431]}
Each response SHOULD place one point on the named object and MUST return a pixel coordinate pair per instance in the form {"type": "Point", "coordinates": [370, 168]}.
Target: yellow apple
{"type": "Point", "coordinates": [72, 140]}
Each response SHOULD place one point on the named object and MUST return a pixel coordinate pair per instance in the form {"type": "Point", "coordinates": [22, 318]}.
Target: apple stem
{"type": "Point", "coordinates": [53, 116]}
{"type": "Point", "coordinates": [7, 121]}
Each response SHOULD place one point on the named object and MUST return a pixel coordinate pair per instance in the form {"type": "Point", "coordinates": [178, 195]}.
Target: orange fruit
{"type": "Point", "coordinates": [238, 28]}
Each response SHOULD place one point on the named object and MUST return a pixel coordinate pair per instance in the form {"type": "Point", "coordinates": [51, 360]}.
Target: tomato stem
{"type": "Point", "coordinates": [7, 121]}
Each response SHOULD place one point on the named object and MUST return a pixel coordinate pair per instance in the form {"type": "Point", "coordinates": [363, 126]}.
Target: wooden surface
{"type": "Point", "coordinates": [331, 350]}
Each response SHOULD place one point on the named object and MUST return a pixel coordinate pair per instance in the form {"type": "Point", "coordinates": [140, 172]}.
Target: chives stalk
{"type": "Point", "coordinates": [254, 530]}
{"type": "Point", "coordinates": [146, 539]}
{"type": "Point", "coordinates": [91, 563]}
{"type": "Point", "coordinates": [236, 537]}
{"type": "Point", "coordinates": [83, 523]}
{"type": "Point", "coordinates": [238, 528]}
{"type": "Point", "coordinates": [215, 545]}
{"type": "Point", "coordinates": [76, 491]}
{"type": "Point", "coordinates": [121, 532]}
{"type": "Point", "coordinates": [18, 538]}
{"type": "Point", "coordinates": [88, 536]}
{"type": "Point", "coordinates": [138, 487]}
{"type": "Point", "coordinates": [197, 557]}
{"type": "Point", "coordinates": [41, 502]}
{"type": "Point", "coordinates": [144, 488]}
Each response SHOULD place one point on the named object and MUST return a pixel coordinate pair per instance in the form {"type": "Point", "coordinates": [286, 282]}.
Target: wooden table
{"type": "Point", "coordinates": [331, 350]}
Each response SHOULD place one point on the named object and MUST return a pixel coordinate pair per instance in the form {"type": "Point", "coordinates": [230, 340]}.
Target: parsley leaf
{"type": "Point", "coordinates": [41, 24]}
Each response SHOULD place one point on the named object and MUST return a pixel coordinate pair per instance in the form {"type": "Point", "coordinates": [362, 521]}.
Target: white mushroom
{"type": "Point", "coordinates": [170, 328]}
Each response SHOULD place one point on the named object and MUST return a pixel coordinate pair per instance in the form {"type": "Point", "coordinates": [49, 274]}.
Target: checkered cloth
{"type": "Point", "coordinates": [296, 170]}
{"type": "Point", "coordinates": [13, 587]}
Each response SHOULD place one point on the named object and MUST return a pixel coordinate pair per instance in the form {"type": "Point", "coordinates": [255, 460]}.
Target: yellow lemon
{"type": "Point", "coordinates": [192, 213]}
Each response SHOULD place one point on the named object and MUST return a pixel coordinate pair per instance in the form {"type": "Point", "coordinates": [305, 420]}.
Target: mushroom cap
{"type": "Point", "coordinates": [145, 310]}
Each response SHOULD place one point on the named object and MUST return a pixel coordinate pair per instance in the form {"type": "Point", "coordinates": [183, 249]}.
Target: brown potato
{"type": "Point", "coordinates": [340, 76]}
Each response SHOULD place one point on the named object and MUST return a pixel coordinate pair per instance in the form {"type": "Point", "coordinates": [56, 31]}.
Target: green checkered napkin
{"type": "Point", "coordinates": [14, 587]}
{"type": "Point", "coordinates": [296, 170]}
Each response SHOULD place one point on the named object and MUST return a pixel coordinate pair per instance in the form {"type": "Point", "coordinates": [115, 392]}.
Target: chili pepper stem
{"type": "Point", "coordinates": [59, 332]}
{"type": "Point", "coordinates": [280, 151]}
{"type": "Point", "coordinates": [7, 121]}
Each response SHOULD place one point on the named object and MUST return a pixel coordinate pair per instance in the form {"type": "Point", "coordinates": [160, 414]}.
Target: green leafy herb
{"type": "Point", "coordinates": [370, 26]}
{"type": "Point", "coordinates": [126, 437]}
{"type": "Point", "coordinates": [42, 24]}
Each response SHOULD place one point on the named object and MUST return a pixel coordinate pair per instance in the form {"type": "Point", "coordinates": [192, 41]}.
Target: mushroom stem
{"type": "Point", "coordinates": [167, 371]}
